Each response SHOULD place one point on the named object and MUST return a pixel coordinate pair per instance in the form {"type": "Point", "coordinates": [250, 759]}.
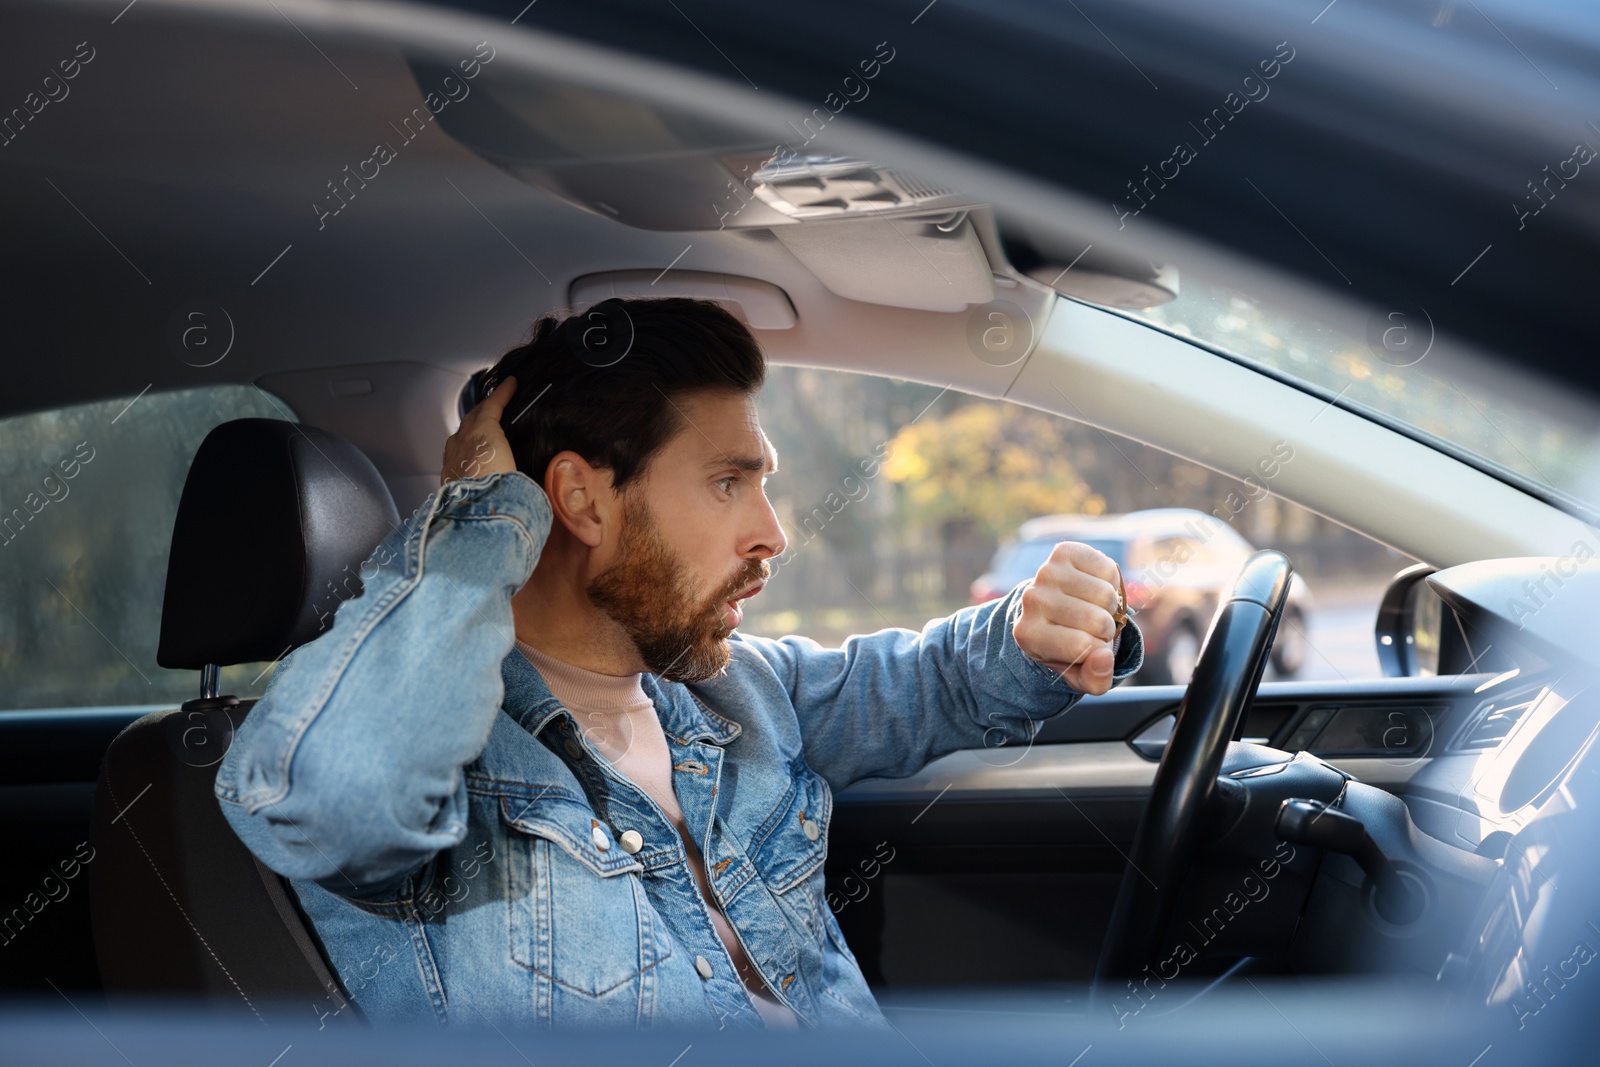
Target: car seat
{"type": "Point", "coordinates": [274, 522]}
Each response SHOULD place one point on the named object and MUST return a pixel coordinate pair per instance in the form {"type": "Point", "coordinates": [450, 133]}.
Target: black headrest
{"type": "Point", "coordinates": [275, 521]}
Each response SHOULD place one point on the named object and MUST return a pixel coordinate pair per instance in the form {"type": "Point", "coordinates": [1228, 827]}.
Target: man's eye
{"type": "Point", "coordinates": [729, 480]}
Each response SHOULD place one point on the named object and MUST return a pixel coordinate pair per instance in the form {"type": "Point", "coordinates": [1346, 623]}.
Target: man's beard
{"type": "Point", "coordinates": [680, 637]}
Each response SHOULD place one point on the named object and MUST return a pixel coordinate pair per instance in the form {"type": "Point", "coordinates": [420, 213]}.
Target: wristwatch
{"type": "Point", "coordinates": [1121, 614]}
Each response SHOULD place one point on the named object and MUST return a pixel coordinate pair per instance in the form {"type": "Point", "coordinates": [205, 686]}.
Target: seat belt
{"type": "Point", "coordinates": [295, 923]}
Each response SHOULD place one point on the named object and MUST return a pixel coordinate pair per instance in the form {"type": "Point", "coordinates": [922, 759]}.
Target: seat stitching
{"type": "Point", "coordinates": [157, 871]}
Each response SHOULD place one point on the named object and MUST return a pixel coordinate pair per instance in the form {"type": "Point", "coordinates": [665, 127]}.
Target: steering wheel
{"type": "Point", "coordinates": [1223, 684]}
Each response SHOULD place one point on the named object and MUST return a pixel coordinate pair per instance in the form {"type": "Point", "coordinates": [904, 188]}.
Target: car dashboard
{"type": "Point", "coordinates": [1472, 782]}
{"type": "Point", "coordinates": [1501, 818]}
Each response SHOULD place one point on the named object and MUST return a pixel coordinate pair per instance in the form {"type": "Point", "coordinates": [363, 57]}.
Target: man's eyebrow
{"type": "Point", "coordinates": [744, 463]}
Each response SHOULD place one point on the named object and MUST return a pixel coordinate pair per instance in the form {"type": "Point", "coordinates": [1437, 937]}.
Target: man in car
{"type": "Point", "coordinates": [533, 773]}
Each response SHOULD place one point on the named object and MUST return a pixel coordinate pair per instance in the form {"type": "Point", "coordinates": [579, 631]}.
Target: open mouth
{"type": "Point", "coordinates": [732, 613]}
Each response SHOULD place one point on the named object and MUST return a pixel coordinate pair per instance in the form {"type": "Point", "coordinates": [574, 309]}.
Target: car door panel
{"type": "Point", "coordinates": [989, 853]}
{"type": "Point", "coordinates": [48, 764]}
{"type": "Point", "coordinates": [1010, 857]}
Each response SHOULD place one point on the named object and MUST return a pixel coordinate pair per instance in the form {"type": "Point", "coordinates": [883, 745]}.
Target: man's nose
{"type": "Point", "coordinates": [769, 540]}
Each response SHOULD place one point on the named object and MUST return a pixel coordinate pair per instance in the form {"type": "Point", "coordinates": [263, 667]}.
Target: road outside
{"type": "Point", "coordinates": [1340, 645]}
{"type": "Point", "coordinates": [1339, 638]}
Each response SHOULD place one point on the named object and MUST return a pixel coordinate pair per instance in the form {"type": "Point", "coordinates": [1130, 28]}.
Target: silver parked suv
{"type": "Point", "coordinates": [1176, 563]}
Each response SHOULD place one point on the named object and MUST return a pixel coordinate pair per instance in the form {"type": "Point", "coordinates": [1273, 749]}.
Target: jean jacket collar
{"type": "Point", "coordinates": [528, 700]}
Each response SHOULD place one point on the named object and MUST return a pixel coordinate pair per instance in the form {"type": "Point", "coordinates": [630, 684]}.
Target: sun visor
{"type": "Point", "coordinates": [928, 264]}
{"type": "Point", "coordinates": [635, 161]}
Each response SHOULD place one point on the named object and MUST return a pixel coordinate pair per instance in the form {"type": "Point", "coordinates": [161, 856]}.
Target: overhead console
{"type": "Point", "coordinates": [869, 232]}
{"type": "Point", "coordinates": [649, 165]}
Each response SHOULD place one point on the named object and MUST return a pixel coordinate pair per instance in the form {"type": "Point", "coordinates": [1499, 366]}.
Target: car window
{"type": "Point", "coordinates": [1229, 547]}
{"type": "Point", "coordinates": [88, 495]}
{"type": "Point", "coordinates": [1186, 559]}
{"type": "Point", "coordinates": [1169, 548]}
{"type": "Point", "coordinates": [1213, 552]}
{"type": "Point", "coordinates": [1141, 553]}
{"type": "Point", "coordinates": [903, 502]}
{"type": "Point", "coordinates": [1022, 561]}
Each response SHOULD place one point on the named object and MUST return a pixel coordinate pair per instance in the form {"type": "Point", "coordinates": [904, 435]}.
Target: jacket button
{"type": "Point", "coordinates": [574, 749]}
{"type": "Point", "coordinates": [813, 831]}
{"type": "Point", "coordinates": [601, 840]}
{"type": "Point", "coordinates": [631, 841]}
{"type": "Point", "coordinates": [703, 966]}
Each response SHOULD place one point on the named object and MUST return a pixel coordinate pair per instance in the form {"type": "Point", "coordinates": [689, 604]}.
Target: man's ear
{"type": "Point", "coordinates": [581, 498]}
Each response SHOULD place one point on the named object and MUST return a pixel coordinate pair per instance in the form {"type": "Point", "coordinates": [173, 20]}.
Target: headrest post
{"type": "Point", "coordinates": [210, 681]}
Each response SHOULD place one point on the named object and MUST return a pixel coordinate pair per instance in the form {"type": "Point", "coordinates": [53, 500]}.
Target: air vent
{"type": "Point", "coordinates": [1494, 721]}
{"type": "Point", "coordinates": [918, 187]}
{"type": "Point", "coordinates": [832, 187]}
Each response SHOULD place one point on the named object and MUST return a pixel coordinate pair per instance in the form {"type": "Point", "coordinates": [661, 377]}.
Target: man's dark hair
{"type": "Point", "coordinates": [604, 382]}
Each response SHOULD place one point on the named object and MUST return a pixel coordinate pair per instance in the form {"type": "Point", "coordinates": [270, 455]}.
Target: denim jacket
{"type": "Point", "coordinates": [455, 839]}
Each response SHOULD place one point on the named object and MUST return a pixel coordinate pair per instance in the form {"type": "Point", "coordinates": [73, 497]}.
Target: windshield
{"type": "Point", "coordinates": [1504, 422]}
{"type": "Point", "coordinates": [1023, 560]}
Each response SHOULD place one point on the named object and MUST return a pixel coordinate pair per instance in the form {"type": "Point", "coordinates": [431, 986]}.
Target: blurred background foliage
{"type": "Point", "coordinates": [982, 462]}
{"type": "Point", "coordinates": [962, 474]}
{"type": "Point", "coordinates": [83, 560]}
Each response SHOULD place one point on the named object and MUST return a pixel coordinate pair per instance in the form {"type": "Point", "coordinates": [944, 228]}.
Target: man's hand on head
{"type": "Point", "coordinates": [479, 446]}
{"type": "Point", "coordinates": [1066, 622]}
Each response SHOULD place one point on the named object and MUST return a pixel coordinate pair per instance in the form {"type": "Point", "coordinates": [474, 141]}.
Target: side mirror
{"type": "Point", "coordinates": [1409, 625]}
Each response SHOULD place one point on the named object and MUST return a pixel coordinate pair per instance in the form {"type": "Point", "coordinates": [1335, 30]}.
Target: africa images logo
{"type": "Point", "coordinates": [451, 90]}
{"type": "Point", "coordinates": [1253, 89]}
{"type": "Point", "coordinates": [1253, 889]}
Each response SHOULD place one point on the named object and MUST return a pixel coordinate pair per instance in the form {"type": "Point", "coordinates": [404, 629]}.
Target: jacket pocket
{"type": "Point", "coordinates": [578, 915]}
{"type": "Point", "coordinates": [790, 846]}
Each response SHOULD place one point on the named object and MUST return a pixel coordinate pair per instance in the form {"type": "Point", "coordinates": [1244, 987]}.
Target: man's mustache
{"type": "Point", "coordinates": [760, 573]}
